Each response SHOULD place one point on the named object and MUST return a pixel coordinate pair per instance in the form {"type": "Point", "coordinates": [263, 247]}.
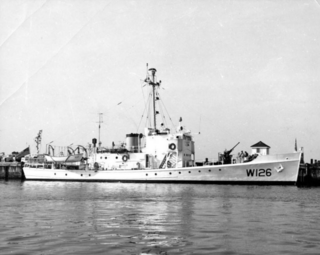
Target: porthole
{"type": "Point", "coordinates": [155, 173]}
{"type": "Point", "coordinates": [55, 174]}
{"type": "Point", "coordinates": [170, 173]}
{"type": "Point", "coordinates": [105, 157]}
{"type": "Point", "coordinates": [219, 169]}
{"type": "Point", "coordinates": [66, 174]}
{"type": "Point", "coordinates": [179, 172]}
{"type": "Point", "coordinates": [199, 171]}
{"type": "Point", "coordinates": [209, 170]}
{"type": "Point", "coordinates": [89, 174]}
{"type": "Point", "coordinates": [146, 174]}
{"type": "Point", "coordinates": [116, 157]}
{"type": "Point", "coordinates": [81, 174]}
{"type": "Point", "coordinates": [189, 172]}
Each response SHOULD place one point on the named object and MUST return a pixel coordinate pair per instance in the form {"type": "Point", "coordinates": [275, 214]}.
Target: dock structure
{"type": "Point", "coordinates": [11, 171]}
{"type": "Point", "coordinates": [309, 173]}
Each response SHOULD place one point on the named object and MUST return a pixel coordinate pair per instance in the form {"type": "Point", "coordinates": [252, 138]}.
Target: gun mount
{"type": "Point", "coordinates": [225, 157]}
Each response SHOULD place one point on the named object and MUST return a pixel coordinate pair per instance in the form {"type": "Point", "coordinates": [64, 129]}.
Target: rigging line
{"type": "Point", "coordinates": [162, 114]}
{"type": "Point", "coordinates": [145, 109]}
{"type": "Point", "coordinates": [160, 107]}
{"type": "Point", "coordinates": [150, 116]}
{"type": "Point", "coordinates": [167, 112]}
{"type": "Point", "coordinates": [164, 120]}
{"type": "Point", "coordinates": [149, 109]}
{"type": "Point", "coordinates": [142, 82]}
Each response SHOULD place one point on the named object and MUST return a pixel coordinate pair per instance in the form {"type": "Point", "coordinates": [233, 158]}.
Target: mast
{"type": "Point", "coordinates": [153, 82]}
{"type": "Point", "coordinates": [100, 121]}
{"type": "Point", "coordinates": [153, 72]}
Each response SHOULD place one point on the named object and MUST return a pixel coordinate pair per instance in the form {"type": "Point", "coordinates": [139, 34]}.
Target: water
{"type": "Point", "coordinates": [120, 218]}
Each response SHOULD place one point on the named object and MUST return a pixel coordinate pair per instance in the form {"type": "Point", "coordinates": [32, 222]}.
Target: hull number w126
{"type": "Point", "coordinates": [259, 172]}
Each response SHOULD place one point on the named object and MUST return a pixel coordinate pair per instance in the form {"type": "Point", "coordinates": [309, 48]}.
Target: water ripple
{"type": "Point", "coordinates": [115, 218]}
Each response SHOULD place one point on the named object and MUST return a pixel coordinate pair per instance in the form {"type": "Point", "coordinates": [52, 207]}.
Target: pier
{"type": "Point", "coordinates": [11, 171]}
{"type": "Point", "coordinates": [309, 173]}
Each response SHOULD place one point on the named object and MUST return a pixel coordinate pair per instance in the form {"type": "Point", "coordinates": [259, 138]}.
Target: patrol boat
{"type": "Point", "coordinates": [161, 155]}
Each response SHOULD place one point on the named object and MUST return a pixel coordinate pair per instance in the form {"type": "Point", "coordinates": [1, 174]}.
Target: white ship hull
{"type": "Point", "coordinates": [161, 155]}
{"type": "Point", "coordinates": [277, 169]}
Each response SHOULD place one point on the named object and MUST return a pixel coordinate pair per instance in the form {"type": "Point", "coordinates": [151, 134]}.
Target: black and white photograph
{"type": "Point", "coordinates": [159, 127]}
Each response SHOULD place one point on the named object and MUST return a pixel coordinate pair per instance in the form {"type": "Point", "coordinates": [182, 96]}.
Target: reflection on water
{"type": "Point", "coordinates": [120, 218]}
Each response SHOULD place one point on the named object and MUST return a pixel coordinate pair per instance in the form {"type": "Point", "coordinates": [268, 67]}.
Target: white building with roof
{"type": "Point", "coordinates": [260, 148]}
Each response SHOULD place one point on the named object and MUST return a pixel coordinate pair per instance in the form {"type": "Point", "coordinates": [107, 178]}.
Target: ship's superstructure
{"type": "Point", "coordinates": [157, 148]}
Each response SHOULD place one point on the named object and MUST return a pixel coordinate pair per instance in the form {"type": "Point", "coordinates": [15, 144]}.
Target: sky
{"type": "Point", "coordinates": [235, 71]}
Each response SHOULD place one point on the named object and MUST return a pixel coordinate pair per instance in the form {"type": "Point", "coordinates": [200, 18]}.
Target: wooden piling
{"type": "Point", "coordinates": [309, 174]}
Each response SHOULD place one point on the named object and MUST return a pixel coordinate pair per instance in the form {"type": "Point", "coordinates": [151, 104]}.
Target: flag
{"type": "Point", "coordinates": [180, 119]}
{"type": "Point", "coordinates": [295, 146]}
{"type": "Point", "coordinates": [26, 151]}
